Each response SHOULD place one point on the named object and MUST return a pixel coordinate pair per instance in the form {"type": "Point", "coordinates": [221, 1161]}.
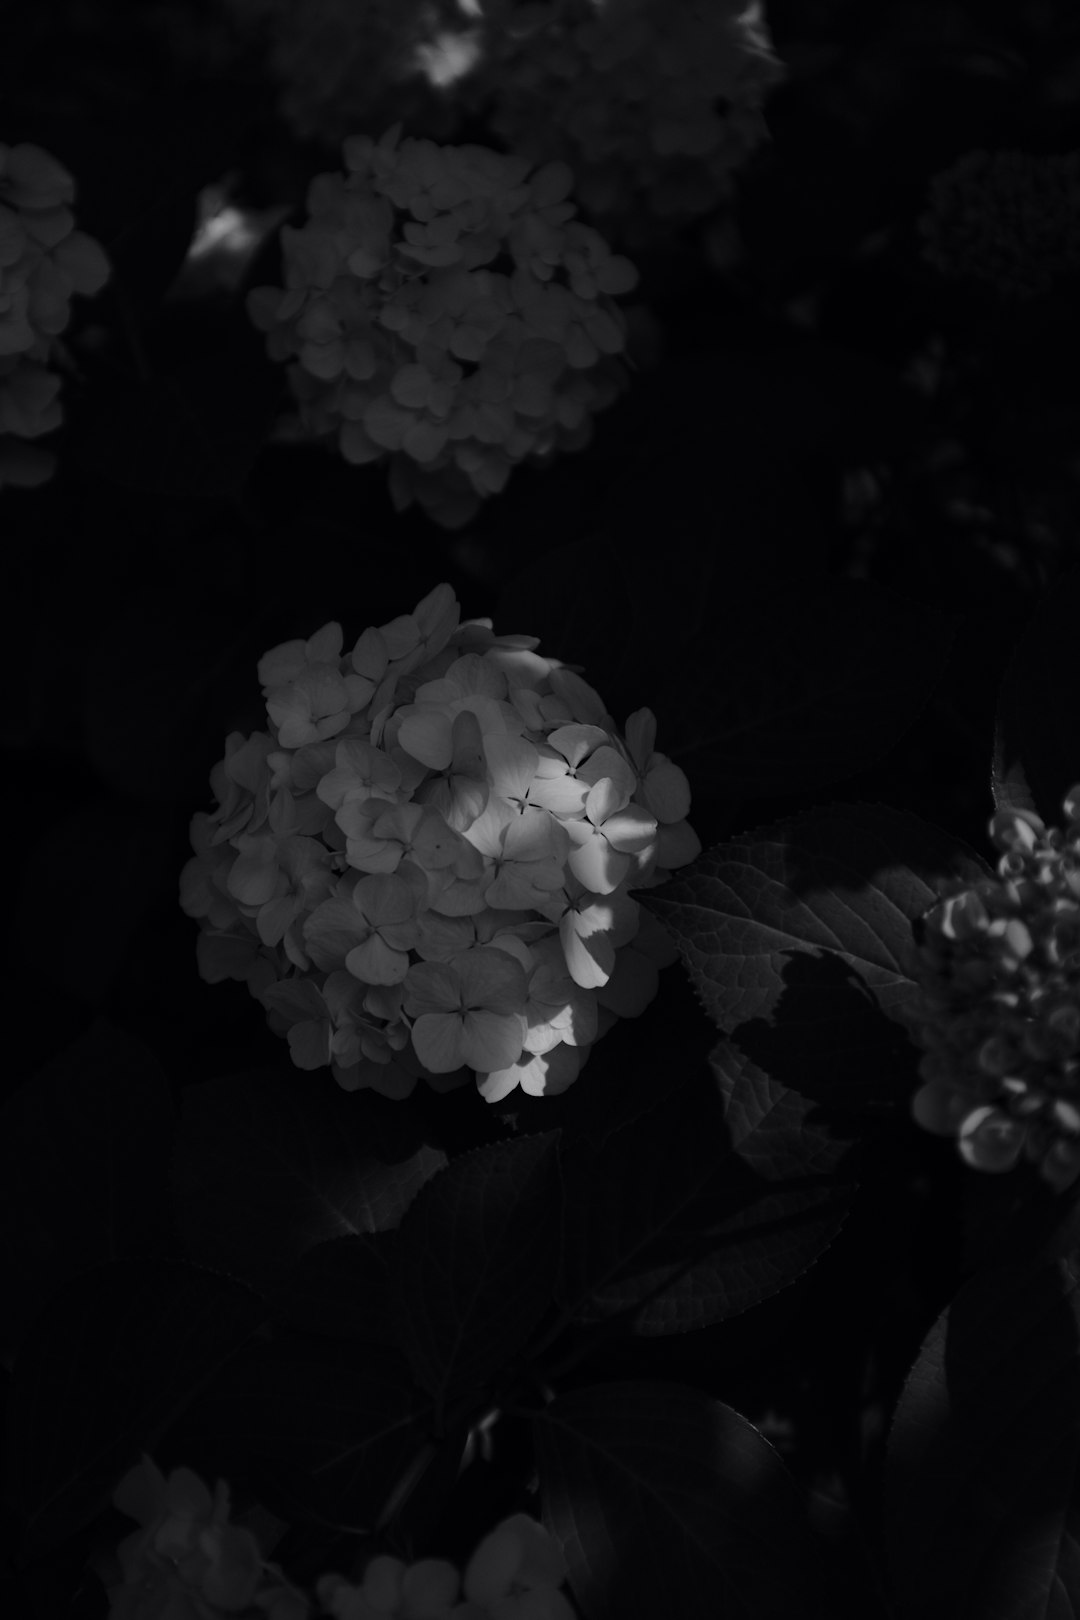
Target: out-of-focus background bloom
{"type": "Point", "coordinates": [998, 1009]}
{"type": "Point", "coordinates": [515, 1573]}
{"type": "Point", "coordinates": [1009, 220]}
{"type": "Point", "coordinates": [44, 260]}
{"type": "Point", "coordinates": [187, 1561]}
{"type": "Point", "coordinates": [653, 103]}
{"type": "Point", "coordinates": [445, 311]}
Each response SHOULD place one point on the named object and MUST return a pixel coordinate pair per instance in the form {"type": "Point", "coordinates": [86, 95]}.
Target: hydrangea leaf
{"type": "Point", "coordinates": [324, 1428]}
{"type": "Point", "coordinates": [113, 1357]}
{"type": "Point", "coordinates": [797, 938]}
{"type": "Point", "coordinates": [666, 1502]}
{"type": "Point", "coordinates": [269, 1164]}
{"type": "Point", "coordinates": [341, 1287]}
{"type": "Point", "coordinates": [981, 1505]}
{"type": "Point", "coordinates": [1036, 748]}
{"type": "Point", "coordinates": [738, 1188]}
{"type": "Point", "coordinates": [476, 1261]}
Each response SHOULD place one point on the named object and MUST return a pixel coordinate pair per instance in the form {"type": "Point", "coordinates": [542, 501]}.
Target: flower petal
{"type": "Point", "coordinates": [492, 1040]}
{"type": "Point", "coordinates": [375, 962]}
{"type": "Point", "coordinates": [493, 980]}
{"type": "Point", "coordinates": [427, 734]}
{"type": "Point", "coordinates": [384, 898]}
{"type": "Point", "coordinates": [432, 987]}
{"type": "Point", "coordinates": [437, 1040]}
{"type": "Point", "coordinates": [590, 957]}
{"type": "Point", "coordinates": [597, 866]}
{"type": "Point", "coordinates": [630, 829]}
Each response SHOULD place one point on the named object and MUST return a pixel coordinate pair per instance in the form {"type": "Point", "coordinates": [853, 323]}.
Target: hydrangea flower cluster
{"type": "Point", "coordinates": [654, 103]}
{"type": "Point", "coordinates": [998, 1009]}
{"type": "Point", "coordinates": [424, 867]}
{"type": "Point", "coordinates": [187, 1561]}
{"type": "Point", "coordinates": [1010, 219]}
{"type": "Point", "coordinates": [43, 261]}
{"type": "Point", "coordinates": [514, 1574]}
{"type": "Point", "coordinates": [410, 345]}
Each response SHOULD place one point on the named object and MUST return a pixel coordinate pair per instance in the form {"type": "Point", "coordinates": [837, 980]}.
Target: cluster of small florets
{"type": "Point", "coordinates": [514, 1574]}
{"type": "Point", "coordinates": [998, 1009]}
{"type": "Point", "coordinates": [1009, 219]}
{"type": "Point", "coordinates": [653, 103]}
{"type": "Point", "coordinates": [409, 345]}
{"type": "Point", "coordinates": [189, 1561]}
{"type": "Point", "coordinates": [43, 261]}
{"type": "Point", "coordinates": [423, 869]}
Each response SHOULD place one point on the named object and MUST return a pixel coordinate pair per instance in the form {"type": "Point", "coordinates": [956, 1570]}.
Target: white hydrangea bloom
{"type": "Point", "coordinates": [424, 868]}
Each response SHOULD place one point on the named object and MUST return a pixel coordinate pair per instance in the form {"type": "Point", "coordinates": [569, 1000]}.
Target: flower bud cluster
{"type": "Point", "coordinates": [998, 1009]}
{"type": "Point", "coordinates": [409, 344]}
{"type": "Point", "coordinates": [188, 1560]}
{"type": "Point", "coordinates": [424, 867]}
{"type": "Point", "coordinates": [653, 103]}
{"type": "Point", "coordinates": [43, 261]}
{"type": "Point", "coordinates": [1010, 219]}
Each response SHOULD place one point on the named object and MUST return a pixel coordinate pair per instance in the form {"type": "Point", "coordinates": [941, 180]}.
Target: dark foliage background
{"type": "Point", "coordinates": [829, 536]}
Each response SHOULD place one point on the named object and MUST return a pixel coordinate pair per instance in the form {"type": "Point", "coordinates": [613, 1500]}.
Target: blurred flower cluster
{"type": "Point", "coordinates": [424, 867]}
{"type": "Point", "coordinates": [410, 345]}
{"type": "Point", "coordinates": [344, 66]}
{"type": "Point", "coordinates": [998, 1008]}
{"type": "Point", "coordinates": [43, 261]}
{"type": "Point", "coordinates": [514, 1574]}
{"type": "Point", "coordinates": [653, 103]}
{"type": "Point", "coordinates": [188, 1562]}
{"type": "Point", "coordinates": [1010, 219]}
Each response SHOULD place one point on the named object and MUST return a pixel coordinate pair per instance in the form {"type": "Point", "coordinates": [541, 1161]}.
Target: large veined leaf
{"type": "Point", "coordinates": [665, 1502]}
{"type": "Point", "coordinates": [475, 1262]}
{"type": "Point", "coordinates": [269, 1164]}
{"type": "Point", "coordinates": [798, 937]}
{"type": "Point", "coordinates": [113, 1357]}
{"type": "Point", "coordinates": [324, 1428]}
{"type": "Point", "coordinates": [715, 1200]}
{"type": "Point", "coordinates": [982, 1507]}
